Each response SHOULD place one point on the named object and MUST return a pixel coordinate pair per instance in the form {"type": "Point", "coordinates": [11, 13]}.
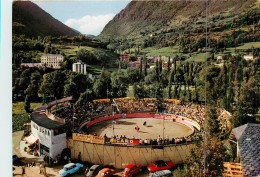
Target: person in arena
{"type": "Point", "coordinates": [144, 124]}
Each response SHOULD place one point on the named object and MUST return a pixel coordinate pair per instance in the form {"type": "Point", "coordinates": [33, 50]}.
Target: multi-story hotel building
{"type": "Point", "coordinates": [52, 60]}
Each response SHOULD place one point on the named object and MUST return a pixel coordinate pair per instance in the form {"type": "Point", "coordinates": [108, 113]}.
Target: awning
{"type": "Point", "coordinates": [31, 139]}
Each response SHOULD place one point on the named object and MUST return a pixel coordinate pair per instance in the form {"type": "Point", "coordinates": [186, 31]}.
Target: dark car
{"type": "Point", "coordinates": [160, 165]}
{"type": "Point", "coordinates": [15, 158]}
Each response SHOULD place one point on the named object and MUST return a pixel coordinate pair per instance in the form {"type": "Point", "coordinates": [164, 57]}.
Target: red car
{"type": "Point", "coordinates": [131, 170]}
{"type": "Point", "coordinates": [160, 165]}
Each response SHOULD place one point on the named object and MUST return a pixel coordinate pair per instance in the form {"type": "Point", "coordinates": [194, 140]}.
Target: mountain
{"type": "Point", "coordinates": [30, 20]}
{"type": "Point", "coordinates": [168, 23]}
{"type": "Point", "coordinates": [91, 36]}
{"type": "Point", "coordinates": [140, 15]}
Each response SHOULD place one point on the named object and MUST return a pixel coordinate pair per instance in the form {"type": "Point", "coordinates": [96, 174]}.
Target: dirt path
{"type": "Point", "coordinates": [16, 138]}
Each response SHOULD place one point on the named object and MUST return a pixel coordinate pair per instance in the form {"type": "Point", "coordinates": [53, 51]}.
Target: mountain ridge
{"type": "Point", "coordinates": [32, 21]}
{"type": "Point", "coordinates": [142, 14]}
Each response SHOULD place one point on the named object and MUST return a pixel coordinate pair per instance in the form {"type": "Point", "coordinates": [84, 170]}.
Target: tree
{"type": "Point", "coordinates": [157, 67]}
{"type": "Point", "coordinates": [178, 77]}
{"type": "Point", "coordinates": [169, 90]}
{"type": "Point", "coordinates": [85, 97]}
{"type": "Point", "coordinates": [132, 75]}
{"type": "Point", "coordinates": [221, 84]}
{"type": "Point", "coordinates": [215, 154]}
{"type": "Point", "coordinates": [141, 91]}
{"type": "Point", "coordinates": [145, 65]}
{"type": "Point", "coordinates": [119, 84]}
{"type": "Point", "coordinates": [77, 83]}
{"type": "Point", "coordinates": [212, 122]}
{"type": "Point", "coordinates": [86, 56]}
{"type": "Point", "coordinates": [151, 77]}
{"type": "Point", "coordinates": [32, 90]}
{"type": "Point", "coordinates": [169, 63]}
{"type": "Point", "coordinates": [141, 69]}
{"type": "Point", "coordinates": [156, 90]}
{"type": "Point", "coordinates": [102, 85]}
{"type": "Point", "coordinates": [25, 79]}
{"type": "Point", "coordinates": [27, 106]}
{"type": "Point", "coordinates": [53, 84]}
{"type": "Point", "coordinates": [164, 78]}
{"type": "Point", "coordinates": [160, 66]}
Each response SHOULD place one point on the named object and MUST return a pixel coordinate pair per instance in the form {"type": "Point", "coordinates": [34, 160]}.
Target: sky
{"type": "Point", "coordinates": [88, 17]}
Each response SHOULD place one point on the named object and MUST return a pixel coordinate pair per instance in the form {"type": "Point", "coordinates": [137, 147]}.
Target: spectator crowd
{"type": "Point", "coordinates": [74, 115]}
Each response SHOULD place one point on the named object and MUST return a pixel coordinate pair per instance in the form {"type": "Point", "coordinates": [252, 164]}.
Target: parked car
{"type": "Point", "coordinates": [106, 172]}
{"type": "Point", "coordinates": [71, 168]}
{"type": "Point", "coordinates": [15, 158]}
{"type": "Point", "coordinates": [162, 173]}
{"type": "Point", "coordinates": [131, 170]}
{"type": "Point", "coordinates": [160, 165]}
{"type": "Point", "coordinates": [94, 169]}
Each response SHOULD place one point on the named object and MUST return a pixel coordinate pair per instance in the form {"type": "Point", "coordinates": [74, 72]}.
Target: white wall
{"type": "Point", "coordinates": [55, 143]}
{"type": "Point", "coordinates": [59, 142]}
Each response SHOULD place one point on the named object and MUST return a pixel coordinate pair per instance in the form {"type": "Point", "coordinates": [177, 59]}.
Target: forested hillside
{"type": "Point", "coordinates": [181, 24]}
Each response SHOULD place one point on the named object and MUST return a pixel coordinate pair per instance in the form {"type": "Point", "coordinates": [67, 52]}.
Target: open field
{"type": "Point", "coordinates": [18, 107]}
{"type": "Point", "coordinates": [153, 128]}
{"type": "Point", "coordinates": [165, 51]}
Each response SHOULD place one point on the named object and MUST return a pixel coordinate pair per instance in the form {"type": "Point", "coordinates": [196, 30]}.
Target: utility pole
{"type": "Point", "coordinates": [73, 120]}
{"type": "Point", "coordinates": [163, 133]}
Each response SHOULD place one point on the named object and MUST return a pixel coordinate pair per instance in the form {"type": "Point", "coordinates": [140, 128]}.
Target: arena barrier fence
{"type": "Point", "coordinates": [121, 156]}
{"type": "Point", "coordinates": [186, 121]}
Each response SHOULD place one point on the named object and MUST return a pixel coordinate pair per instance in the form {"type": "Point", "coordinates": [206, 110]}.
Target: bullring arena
{"type": "Point", "coordinates": [152, 129]}
{"type": "Point", "coordinates": [120, 131]}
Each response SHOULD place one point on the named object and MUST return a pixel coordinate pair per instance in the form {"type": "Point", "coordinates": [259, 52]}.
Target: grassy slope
{"type": "Point", "coordinates": [71, 51]}
{"type": "Point", "coordinates": [172, 51]}
{"type": "Point", "coordinates": [18, 107]}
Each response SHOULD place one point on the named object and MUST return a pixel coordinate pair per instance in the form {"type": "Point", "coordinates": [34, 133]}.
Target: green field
{"type": "Point", "coordinates": [130, 92]}
{"type": "Point", "coordinates": [18, 107]}
{"type": "Point", "coordinates": [72, 50]}
{"type": "Point", "coordinates": [165, 51]}
{"type": "Point", "coordinates": [19, 115]}
{"type": "Point", "coordinates": [249, 45]}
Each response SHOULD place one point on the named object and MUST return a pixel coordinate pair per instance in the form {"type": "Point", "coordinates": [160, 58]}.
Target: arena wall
{"type": "Point", "coordinates": [188, 122]}
{"type": "Point", "coordinates": [121, 156]}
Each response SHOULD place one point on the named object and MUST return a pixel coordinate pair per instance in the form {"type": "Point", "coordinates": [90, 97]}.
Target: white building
{"type": "Point", "coordinates": [92, 77]}
{"type": "Point", "coordinates": [31, 65]}
{"type": "Point", "coordinates": [52, 60]}
{"type": "Point", "coordinates": [220, 59]}
{"type": "Point", "coordinates": [51, 134]}
{"type": "Point", "coordinates": [248, 57]}
{"type": "Point", "coordinates": [79, 67]}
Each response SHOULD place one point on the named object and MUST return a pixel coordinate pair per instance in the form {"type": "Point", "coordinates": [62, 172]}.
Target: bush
{"type": "Point", "coordinates": [18, 121]}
